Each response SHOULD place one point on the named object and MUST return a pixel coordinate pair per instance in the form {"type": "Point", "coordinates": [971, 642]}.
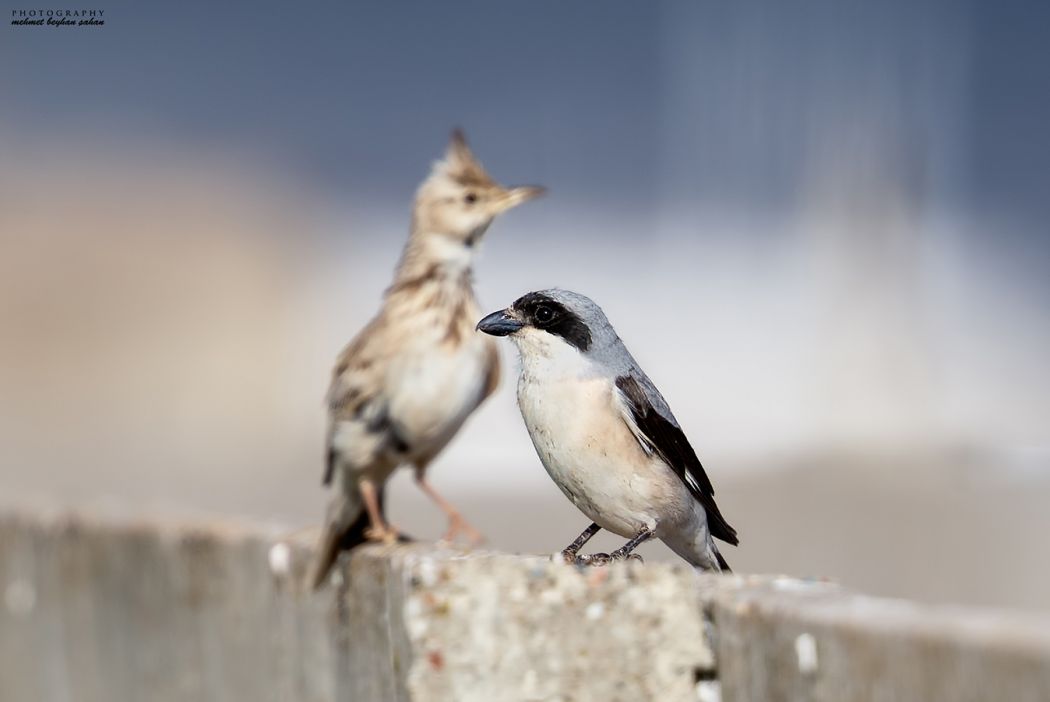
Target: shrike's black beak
{"type": "Point", "coordinates": [499, 324]}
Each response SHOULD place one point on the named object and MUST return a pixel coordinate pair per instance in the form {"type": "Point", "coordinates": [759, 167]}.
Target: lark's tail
{"type": "Point", "coordinates": [344, 529]}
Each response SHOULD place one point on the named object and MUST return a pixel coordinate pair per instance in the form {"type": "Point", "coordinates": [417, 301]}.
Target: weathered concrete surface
{"type": "Point", "coordinates": [499, 627]}
{"type": "Point", "coordinates": [107, 610]}
{"type": "Point", "coordinates": [785, 639]}
{"type": "Point", "coordinates": [129, 611]}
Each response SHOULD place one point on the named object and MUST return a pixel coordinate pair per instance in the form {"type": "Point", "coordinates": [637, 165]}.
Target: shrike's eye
{"type": "Point", "coordinates": [544, 314]}
{"type": "Point", "coordinates": [470, 198]}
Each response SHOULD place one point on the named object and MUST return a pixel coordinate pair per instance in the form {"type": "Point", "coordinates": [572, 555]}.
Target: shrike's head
{"type": "Point", "coordinates": [459, 199]}
{"type": "Point", "coordinates": [557, 323]}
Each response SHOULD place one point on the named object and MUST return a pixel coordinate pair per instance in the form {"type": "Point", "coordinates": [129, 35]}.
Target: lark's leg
{"type": "Point", "coordinates": [569, 554]}
{"type": "Point", "coordinates": [378, 529]}
{"type": "Point", "coordinates": [456, 523]}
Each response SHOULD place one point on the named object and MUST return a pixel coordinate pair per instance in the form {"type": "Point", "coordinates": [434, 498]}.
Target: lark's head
{"type": "Point", "coordinates": [459, 199]}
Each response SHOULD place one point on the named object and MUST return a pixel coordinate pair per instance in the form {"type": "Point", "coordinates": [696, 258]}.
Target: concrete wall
{"type": "Point", "coordinates": [104, 610]}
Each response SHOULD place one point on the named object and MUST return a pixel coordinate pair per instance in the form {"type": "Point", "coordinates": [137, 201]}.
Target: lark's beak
{"type": "Point", "coordinates": [500, 323]}
{"type": "Point", "coordinates": [512, 197]}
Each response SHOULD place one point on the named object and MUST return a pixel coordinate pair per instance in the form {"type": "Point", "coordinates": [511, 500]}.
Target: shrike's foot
{"type": "Point", "coordinates": [570, 558]}
{"type": "Point", "coordinates": [599, 559]}
{"type": "Point", "coordinates": [384, 535]}
{"type": "Point", "coordinates": [458, 525]}
{"type": "Point", "coordinates": [595, 559]}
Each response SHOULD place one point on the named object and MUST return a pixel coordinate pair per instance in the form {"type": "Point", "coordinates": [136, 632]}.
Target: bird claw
{"type": "Point", "coordinates": [599, 559]}
{"type": "Point", "coordinates": [458, 525]}
{"type": "Point", "coordinates": [595, 559]}
{"type": "Point", "coordinates": [384, 535]}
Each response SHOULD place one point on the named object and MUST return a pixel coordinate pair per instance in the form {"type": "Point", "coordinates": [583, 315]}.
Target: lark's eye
{"type": "Point", "coordinates": [543, 314]}
{"type": "Point", "coordinates": [470, 198]}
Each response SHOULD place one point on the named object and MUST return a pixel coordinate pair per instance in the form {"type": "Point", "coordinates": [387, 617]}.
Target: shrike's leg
{"type": "Point", "coordinates": [378, 530]}
{"type": "Point", "coordinates": [624, 551]}
{"type": "Point", "coordinates": [569, 554]}
{"type": "Point", "coordinates": [621, 554]}
{"type": "Point", "coordinates": [456, 523]}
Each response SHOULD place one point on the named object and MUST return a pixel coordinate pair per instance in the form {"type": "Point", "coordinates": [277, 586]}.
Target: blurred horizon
{"type": "Point", "coordinates": [820, 228]}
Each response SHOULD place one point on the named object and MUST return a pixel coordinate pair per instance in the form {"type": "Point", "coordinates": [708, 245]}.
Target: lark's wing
{"type": "Point", "coordinates": [355, 393]}
{"type": "Point", "coordinates": [491, 372]}
{"type": "Point", "coordinates": [356, 409]}
{"type": "Point", "coordinates": [658, 431]}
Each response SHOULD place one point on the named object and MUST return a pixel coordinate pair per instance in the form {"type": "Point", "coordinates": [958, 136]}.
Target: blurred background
{"type": "Point", "coordinates": [820, 226]}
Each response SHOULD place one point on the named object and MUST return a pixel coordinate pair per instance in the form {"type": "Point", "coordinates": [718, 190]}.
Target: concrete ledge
{"type": "Point", "coordinates": [491, 626]}
{"type": "Point", "coordinates": [789, 640]}
{"type": "Point", "coordinates": [108, 610]}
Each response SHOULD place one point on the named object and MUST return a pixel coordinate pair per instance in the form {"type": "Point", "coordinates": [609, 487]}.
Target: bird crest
{"type": "Point", "coordinates": [460, 165]}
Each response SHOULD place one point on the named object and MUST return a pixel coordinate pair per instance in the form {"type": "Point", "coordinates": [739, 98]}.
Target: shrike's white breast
{"type": "Point", "coordinates": [573, 415]}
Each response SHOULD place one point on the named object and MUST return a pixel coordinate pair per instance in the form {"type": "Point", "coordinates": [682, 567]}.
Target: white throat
{"type": "Point", "coordinates": [454, 255]}
{"type": "Point", "coordinates": [546, 357]}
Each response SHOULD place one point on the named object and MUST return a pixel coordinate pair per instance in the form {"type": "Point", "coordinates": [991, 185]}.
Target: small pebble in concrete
{"type": "Point", "coordinates": [427, 571]}
{"type": "Point", "coordinates": [436, 660]}
{"type": "Point", "coordinates": [280, 557]}
{"type": "Point", "coordinates": [709, 691]}
{"type": "Point", "coordinates": [806, 652]}
{"type": "Point", "coordinates": [415, 617]}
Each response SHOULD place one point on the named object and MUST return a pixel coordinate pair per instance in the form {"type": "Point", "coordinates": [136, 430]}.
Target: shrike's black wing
{"type": "Point", "coordinates": [659, 432]}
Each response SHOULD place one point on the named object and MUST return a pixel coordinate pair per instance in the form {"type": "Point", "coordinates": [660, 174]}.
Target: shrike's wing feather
{"type": "Point", "coordinates": [658, 431]}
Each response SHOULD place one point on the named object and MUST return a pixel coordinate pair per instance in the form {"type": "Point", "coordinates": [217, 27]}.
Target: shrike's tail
{"type": "Point", "coordinates": [698, 549]}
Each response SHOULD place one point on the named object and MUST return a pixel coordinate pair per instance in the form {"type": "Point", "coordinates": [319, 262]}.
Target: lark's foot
{"type": "Point", "coordinates": [457, 525]}
{"type": "Point", "coordinates": [385, 535]}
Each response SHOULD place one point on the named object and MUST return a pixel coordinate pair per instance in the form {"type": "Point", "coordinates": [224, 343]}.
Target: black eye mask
{"type": "Point", "coordinates": [556, 319]}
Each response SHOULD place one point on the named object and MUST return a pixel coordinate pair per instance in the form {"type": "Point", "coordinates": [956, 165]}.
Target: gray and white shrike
{"type": "Point", "coordinates": [605, 433]}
